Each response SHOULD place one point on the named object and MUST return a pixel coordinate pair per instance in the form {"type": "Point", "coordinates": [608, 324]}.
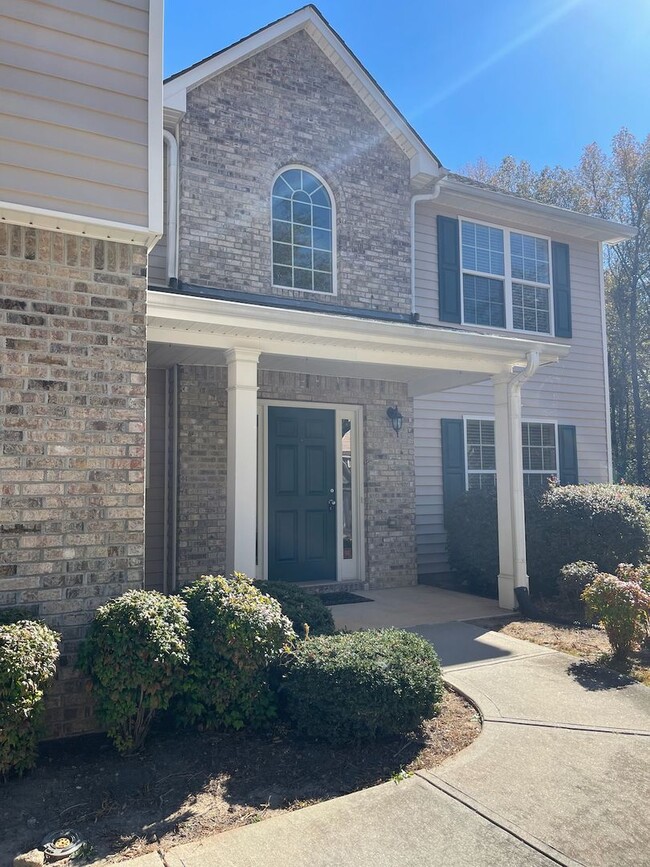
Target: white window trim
{"type": "Point", "coordinates": [353, 569]}
{"type": "Point", "coordinates": [311, 171]}
{"type": "Point", "coordinates": [468, 472]}
{"type": "Point", "coordinates": [506, 278]}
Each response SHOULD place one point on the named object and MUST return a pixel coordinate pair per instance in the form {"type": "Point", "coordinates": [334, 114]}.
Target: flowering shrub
{"type": "Point", "coordinates": [135, 653]}
{"type": "Point", "coordinates": [236, 632]}
{"type": "Point", "coordinates": [29, 652]}
{"type": "Point", "coordinates": [622, 605]}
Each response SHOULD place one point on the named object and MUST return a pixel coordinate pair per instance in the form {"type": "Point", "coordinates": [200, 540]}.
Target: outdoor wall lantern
{"type": "Point", "coordinates": [396, 418]}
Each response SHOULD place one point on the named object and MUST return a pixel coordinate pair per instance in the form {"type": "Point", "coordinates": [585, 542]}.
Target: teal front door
{"type": "Point", "coordinates": [302, 499]}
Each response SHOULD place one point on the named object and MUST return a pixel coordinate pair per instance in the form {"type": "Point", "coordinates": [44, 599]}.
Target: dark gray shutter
{"type": "Point", "coordinates": [448, 270]}
{"type": "Point", "coordinates": [568, 454]}
{"type": "Point", "coordinates": [561, 289]}
{"type": "Point", "coordinates": [453, 459]}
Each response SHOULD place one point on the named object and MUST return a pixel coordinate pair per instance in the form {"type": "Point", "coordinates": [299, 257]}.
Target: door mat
{"type": "Point", "coordinates": [343, 597]}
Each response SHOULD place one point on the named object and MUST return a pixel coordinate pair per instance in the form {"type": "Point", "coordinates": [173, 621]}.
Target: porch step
{"type": "Point", "coordinates": [332, 586]}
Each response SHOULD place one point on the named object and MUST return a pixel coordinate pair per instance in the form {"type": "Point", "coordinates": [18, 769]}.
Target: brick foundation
{"type": "Point", "coordinates": [72, 400]}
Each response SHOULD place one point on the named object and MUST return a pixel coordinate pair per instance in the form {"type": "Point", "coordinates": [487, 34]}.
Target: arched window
{"type": "Point", "coordinates": [302, 232]}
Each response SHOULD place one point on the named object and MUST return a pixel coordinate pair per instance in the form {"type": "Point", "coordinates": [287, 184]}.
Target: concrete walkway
{"type": "Point", "coordinates": [559, 775]}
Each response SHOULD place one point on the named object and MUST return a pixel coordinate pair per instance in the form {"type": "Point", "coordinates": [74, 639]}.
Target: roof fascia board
{"type": "Point", "coordinates": [424, 166]}
{"type": "Point", "coordinates": [536, 214]}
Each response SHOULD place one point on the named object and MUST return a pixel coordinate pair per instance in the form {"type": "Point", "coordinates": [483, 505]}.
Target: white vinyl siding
{"type": "Point", "coordinates": [74, 107]}
{"type": "Point", "coordinates": [570, 392]}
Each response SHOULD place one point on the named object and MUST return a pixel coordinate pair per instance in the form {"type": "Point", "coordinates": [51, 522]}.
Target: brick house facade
{"type": "Point", "coordinates": [281, 383]}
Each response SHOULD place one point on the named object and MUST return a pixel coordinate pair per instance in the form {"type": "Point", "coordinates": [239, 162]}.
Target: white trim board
{"type": "Point", "coordinates": [74, 224]}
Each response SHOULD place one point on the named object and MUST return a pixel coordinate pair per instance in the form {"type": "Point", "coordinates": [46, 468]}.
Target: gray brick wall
{"type": "Point", "coordinates": [202, 462]}
{"type": "Point", "coordinates": [388, 472]}
{"type": "Point", "coordinates": [72, 402]}
{"type": "Point", "coordinates": [289, 105]}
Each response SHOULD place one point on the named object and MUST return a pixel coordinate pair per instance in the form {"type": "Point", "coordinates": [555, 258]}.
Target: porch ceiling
{"type": "Point", "coordinates": [189, 330]}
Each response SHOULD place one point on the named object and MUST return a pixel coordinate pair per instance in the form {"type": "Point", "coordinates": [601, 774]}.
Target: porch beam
{"type": "Point", "coordinates": [241, 485]}
{"type": "Point", "coordinates": [510, 488]}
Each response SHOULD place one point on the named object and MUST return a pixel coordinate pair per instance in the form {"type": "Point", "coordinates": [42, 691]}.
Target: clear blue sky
{"type": "Point", "coordinates": [537, 79]}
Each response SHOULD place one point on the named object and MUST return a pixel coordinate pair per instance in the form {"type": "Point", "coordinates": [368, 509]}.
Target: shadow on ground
{"type": "Point", "coordinates": [594, 677]}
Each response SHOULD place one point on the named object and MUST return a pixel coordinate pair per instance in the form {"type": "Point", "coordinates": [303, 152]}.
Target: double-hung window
{"type": "Point", "coordinates": [539, 453]}
{"type": "Point", "coordinates": [506, 278]}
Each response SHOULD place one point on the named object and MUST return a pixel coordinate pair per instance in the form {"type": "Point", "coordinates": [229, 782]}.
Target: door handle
{"type": "Point", "coordinates": [331, 504]}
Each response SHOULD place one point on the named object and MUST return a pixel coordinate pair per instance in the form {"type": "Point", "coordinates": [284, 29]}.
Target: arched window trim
{"type": "Point", "coordinates": [328, 189]}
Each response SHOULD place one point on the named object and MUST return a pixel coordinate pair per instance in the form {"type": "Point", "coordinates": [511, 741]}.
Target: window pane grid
{"type": "Point", "coordinates": [522, 299]}
{"type": "Point", "coordinates": [539, 453]}
{"type": "Point", "coordinates": [302, 232]}
{"type": "Point", "coordinates": [529, 258]}
{"type": "Point", "coordinates": [483, 301]}
{"type": "Point", "coordinates": [530, 308]}
{"type": "Point", "coordinates": [483, 249]}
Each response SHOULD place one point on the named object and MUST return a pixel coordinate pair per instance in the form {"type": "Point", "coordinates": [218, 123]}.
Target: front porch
{"type": "Point", "coordinates": [412, 608]}
{"type": "Point", "coordinates": [282, 452]}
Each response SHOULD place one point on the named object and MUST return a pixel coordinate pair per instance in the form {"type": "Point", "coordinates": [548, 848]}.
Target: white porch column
{"type": "Point", "coordinates": [510, 488]}
{"type": "Point", "coordinates": [241, 488]}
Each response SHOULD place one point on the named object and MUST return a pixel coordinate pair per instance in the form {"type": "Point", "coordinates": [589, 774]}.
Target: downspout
{"type": "Point", "coordinates": [519, 377]}
{"type": "Point", "coordinates": [510, 503]}
{"type": "Point", "coordinates": [172, 206]}
{"type": "Point", "coordinates": [421, 197]}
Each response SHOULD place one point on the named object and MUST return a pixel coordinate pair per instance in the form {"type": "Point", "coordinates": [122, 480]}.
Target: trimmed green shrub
{"type": "Point", "coordinates": [639, 493]}
{"type": "Point", "coordinates": [135, 652]}
{"type": "Point", "coordinates": [360, 686]}
{"type": "Point", "coordinates": [237, 632]}
{"type": "Point", "coordinates": [600, 523]}
{"type": "Point", "coordinates": [472, 538]}
{"type": "Point", "coordinates": [14, 615]}
{"type": "Point", "coordinates": [621, 604]}
{"type": "Point", "coordinates": [29, 652]}
{"type": "Point", "coordinates": [301, 607]}
{"type": "Point", "coordinates": [573, 581]}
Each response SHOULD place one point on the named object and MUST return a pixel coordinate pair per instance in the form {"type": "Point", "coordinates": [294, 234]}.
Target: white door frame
{"type": "Point", "coordinates": [346, 570]}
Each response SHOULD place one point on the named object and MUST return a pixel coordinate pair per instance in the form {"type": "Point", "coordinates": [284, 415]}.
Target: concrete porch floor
{"type": "Point", "coordinates": [405, 607]}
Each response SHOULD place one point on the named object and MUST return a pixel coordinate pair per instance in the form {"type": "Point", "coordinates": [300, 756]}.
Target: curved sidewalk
{"type": "Point", "coordinates": [559, 775]}
{"type": "Point", "coordinates": [563, 757]}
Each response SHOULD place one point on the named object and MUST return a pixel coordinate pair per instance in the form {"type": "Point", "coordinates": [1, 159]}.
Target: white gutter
{"type": "Point", "coordinates": [172, 205]}
{"type": "Point", "coordinates": [514, 208]}
{"type": "Point", "coordinates": [421, 197]}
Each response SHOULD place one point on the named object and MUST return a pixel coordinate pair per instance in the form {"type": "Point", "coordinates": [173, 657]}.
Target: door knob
{"type": "Point", "coordinates": [331, 504]}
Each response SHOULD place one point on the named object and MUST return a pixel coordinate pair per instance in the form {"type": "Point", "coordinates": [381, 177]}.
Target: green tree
{"type": "Point", "coordinates": [614, 185]}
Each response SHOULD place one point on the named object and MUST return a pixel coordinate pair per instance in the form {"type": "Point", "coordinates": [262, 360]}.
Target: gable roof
{"type": "Point", "coordinates": [424, 163]}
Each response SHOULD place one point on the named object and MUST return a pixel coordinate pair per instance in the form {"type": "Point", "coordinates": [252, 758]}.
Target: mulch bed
{"type": "Point", "coordinates": [186, 785]}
